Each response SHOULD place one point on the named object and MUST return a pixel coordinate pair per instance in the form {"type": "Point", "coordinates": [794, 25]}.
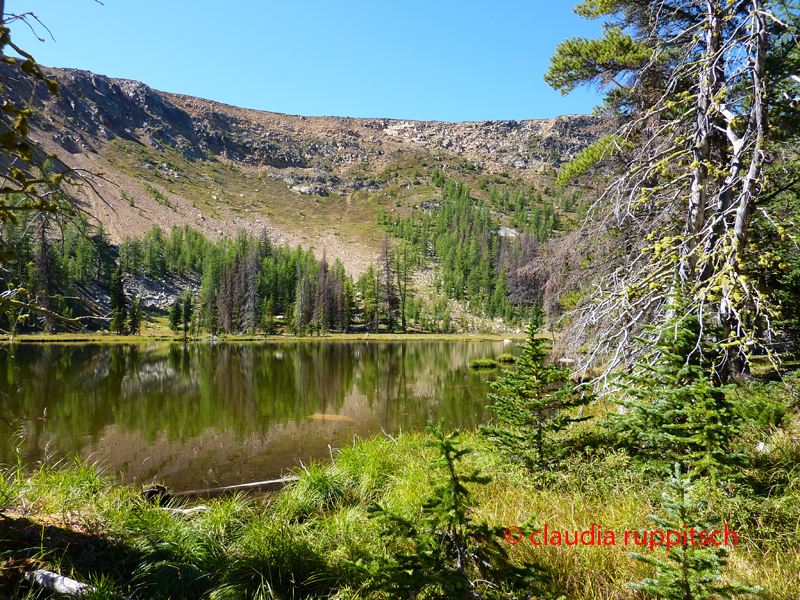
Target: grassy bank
{"type": "Point", "coordinates": [317, 537]}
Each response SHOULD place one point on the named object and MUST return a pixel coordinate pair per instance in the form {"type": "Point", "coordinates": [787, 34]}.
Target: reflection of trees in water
{"type": "Point", "coordinates": [180, 391]}
{"type": "Point", "coordinates": [252, 387]}
{"type": "Point", "coordinates": [79, 386]}
{"type": "Point", "coordinates": [412, 382]}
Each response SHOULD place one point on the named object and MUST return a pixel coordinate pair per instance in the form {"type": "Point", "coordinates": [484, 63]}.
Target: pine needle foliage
{"type": "Point", "coordinates": [444, 554]}
{"type": "Point", "coordinates": [588, 157]}
{"type": "Point", "coordinates": [675, 407]}
{"type": "Point", "coordinates": [689, 571]}
{"type": "Point", "coordinates": [532, 403]}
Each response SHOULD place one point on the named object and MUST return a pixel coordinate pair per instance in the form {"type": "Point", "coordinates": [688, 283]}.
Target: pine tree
{"type": "Point", "coordinates": [532, 403]}
{"type": "Point", "coordinates": [348, 302]}
{"type": "Point", "coordinates": [212, 277]}
{"type": "Point", "coordinates": [323, 300]}
{"type": "Point", "coordinates": [153, 252]}
{"type": "Point", "coordinates": [135, 317]}
{"type": "Point", "coordinates": [387, 275]}
{"type": "Point", "coordinates": [45, 273]}
{"type": "Point", "coordinates": [691, 571]}
{"type": "Point", "coordinates": [697, 164]}
{"type": "Point", "coordinates": [225, 301]}
{"type": "Point", "coordinates": [268, 317]}
{"type": "Point", "coordinates": [119, 302]}
{"type": "Point", "coordinates": [403, 269]}
{"type": "Point", "coordinates": [186, 312]}
{"type": "Point", "coordinates": [500, 297]}
{"type": "Point", "coordinates": [370, 295]}
{"type": "Point", "coordinates": [248, 317]}
{"type": "Point", "coordinates": [176, 314]}
{"type": "Point", "coordinates": [103, 256]}
{"type": "Point", "coordinates": [303, 304]}
{"type": "Point", "coordinates": [237, 289]}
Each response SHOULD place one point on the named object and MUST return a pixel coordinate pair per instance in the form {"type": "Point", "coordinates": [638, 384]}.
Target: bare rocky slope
{"type": "Point", "coordinates": [169, 159]}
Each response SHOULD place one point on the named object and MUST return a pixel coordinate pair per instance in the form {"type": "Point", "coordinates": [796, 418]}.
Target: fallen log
{"type": "Point", "coordinates": [186, 511]}
{"type": "Point", "coordinates": [53, 582]}
{"type": "Point", "coordinates": [241, 486]}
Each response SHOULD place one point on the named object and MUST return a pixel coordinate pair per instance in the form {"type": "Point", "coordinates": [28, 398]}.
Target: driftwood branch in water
{"type": "Point", "coordinates": [241, 486]}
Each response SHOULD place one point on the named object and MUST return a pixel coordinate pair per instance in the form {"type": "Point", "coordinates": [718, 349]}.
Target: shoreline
{"type": "Point", "coordinates": [107, 338]}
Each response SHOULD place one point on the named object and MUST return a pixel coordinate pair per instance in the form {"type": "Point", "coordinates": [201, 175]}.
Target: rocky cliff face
{"type": "Point", "coordinates": [520, 144]}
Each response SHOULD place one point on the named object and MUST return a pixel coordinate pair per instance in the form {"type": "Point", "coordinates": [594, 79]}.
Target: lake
{"type": "Point", "coordinates": [209, 415]}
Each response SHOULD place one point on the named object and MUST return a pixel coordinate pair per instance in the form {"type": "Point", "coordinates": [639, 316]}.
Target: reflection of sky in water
{"type": "Point", "coordinates": [229, 413]}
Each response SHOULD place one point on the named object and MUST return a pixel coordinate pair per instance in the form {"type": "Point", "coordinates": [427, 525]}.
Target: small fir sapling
{"type": "Point", "coordinates": [675, 408]}
{"type": "Point", "coordinates": [532, 403]}
{"type": "Point", "coordinates": [444, 554]}
{"type": "Point", "coordinates": [690, 571]}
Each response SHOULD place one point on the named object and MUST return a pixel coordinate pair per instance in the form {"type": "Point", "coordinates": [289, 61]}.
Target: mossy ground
{"type": "Point", "coordinates": [304, 541]}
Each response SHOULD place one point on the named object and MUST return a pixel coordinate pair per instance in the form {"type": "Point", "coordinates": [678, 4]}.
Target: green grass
{"type": "Point", "coordinates": [305, 541]}
{"type": "Point", "coordinates": [483, 363]}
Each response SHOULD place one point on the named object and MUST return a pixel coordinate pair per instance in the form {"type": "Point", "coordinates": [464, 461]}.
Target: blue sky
{"type": "Point", "coordinates": [441, 60]}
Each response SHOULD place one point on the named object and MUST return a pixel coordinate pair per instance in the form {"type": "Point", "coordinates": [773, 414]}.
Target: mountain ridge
{"type": "Point", "coordinates": [174, 159]}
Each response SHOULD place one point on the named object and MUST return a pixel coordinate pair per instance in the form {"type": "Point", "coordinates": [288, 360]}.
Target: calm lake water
{"type": "Point", "coordinates": [208, 415]}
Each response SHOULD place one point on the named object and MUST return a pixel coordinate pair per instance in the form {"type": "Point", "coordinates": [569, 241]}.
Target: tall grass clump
{"type": "Point", "coordinates": [275, 559]}
{"type": "Point", "coordinates": [318, 489]}
{"type": "Point", "coordinates": [369, 469]}
{"type": "Point", "coordinates": [483, 363]}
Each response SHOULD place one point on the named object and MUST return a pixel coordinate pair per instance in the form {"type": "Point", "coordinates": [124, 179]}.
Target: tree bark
{"type": "Point", "coordinates": [709, 83]}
